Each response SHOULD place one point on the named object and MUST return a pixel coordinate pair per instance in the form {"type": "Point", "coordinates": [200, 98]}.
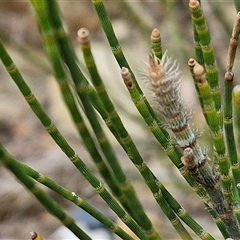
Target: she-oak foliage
{"type": "Point", "coordinates": [215, 177]}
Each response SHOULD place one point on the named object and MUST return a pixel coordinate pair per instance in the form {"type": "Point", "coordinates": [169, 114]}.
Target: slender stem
{"type": "Point", "coordinates": [71, 196]}
{"type": "Point", "coordinates": [50, 205]}
{"type": "Point", "coordinates": [172, 151]}
{"type": "Point", "coordinates": [184, 215]}
{"type": "Point", "coordinates": [116, 47]}
{"type": "Point", "coordinates": [52, 50]}
{"type": "Point", "coordinates": [207, 50]}
{"type": "Point", "coordinates": [62, 143]}
{"type": "Point", "coordinates": [156, 43]}
{"type": "Point", "coordinates": [135, 205]}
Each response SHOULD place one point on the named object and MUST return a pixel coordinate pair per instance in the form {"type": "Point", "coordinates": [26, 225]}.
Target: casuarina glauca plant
{"type": "Point", "coordinates": [213, 175]}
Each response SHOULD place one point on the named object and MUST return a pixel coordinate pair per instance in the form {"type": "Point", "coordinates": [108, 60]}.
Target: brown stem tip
{"type": "Point", "coordinates": [229, 76]}
{"type": "Point", "coordinates": [126, 76]}
{"type": "Point", "coordinates": [83, 36]}
{"type": "Point", "coordinates": [194, 4]}
{"type": "Point", "coordinates": [33, 235]}
{"type": "Point", "coordinates": [191, 62]}
{"type": "Point", "coordinates": [155, 33]}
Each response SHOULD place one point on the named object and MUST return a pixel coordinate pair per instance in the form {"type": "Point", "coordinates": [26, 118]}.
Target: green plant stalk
{"type": "Point", "coordinates": [50, 205]}
{"type": "Point", "coordinates": [134, 154]}
{"type": "Point", "coordinates": [219, 222]}
{"type": "Point", "coordinates": [156, 43]}
{"type": "Point", "coordinates": [207, 50]}
{"type": "Point", "coordinates": [172, 151]}
{"type": "Point", "coordinates": [116, 48]}
{"type": "Point", "coordinates": [184, 215]}
{"type": "Point", "coordinates": [236, 110]}
{"type": "Point", "coordinates": [204, 93]}
{"type": "Point", "coordinates": [208, 107]}
{"type": "Point", "coordinates": [149, 179]}
{"type": "Point", "coordinates": [132, 206]}
{"type": "Point", "coordinates": [198, 48]}
{"type": "Point", "coordinates": [135, 205]}
{"type": "Point", "coordinates": [61, 142]}
{"type": "Point", "coordinates": [81, 89]}
{"type": "Point", "coordinates": [71, 196]}
{"type": "Point", "coordinates": [228, 127]}
{"type": "Point", "coordinates": [60, 75]}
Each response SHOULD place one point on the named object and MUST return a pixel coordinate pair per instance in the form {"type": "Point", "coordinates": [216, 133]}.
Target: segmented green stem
{"type": "Point", "coordinates": [135, 206]}
{"type": "Point", "coordinates": [172, 151]}
{"type": "Point", "coordinates": [71, 196]}
{"type": "Point", "coordinates": [228, 118]}
{"type": "Point", "coordinates": [228, 126]}
{"type": "Point", "coordinates": [233, 197]}
{"type": "Point", "coordinates": [236, 110]}
{"type": "Point", "coordinates": [61, 142]}
{"type": "Point", "coordinates": [184, 215]}
{"type": "Point", "coordinates": [156, 43]}
{"type": "Point", "coordinates": [222, 165]}
{"type": "Point", "coordinates": [220, 224]}
{"type": "Point", "coordinates": [50, 205]}
{"type": "Point", "coordinates": [212, 120]}
{"type": "Point", "coordinates": [81, 83]}
{"type": "Point", "coordinates": [208, 55]}
{"type": "Point", "coordinates": [115, 46]}
{"type": "Point", "coordinates": [208, 106]}
{"type": "Point", "coordinates": [52, 50]}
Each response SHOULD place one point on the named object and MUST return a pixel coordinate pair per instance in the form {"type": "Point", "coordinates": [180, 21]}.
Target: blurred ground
{"type": "Point", "coordinates": [26, 139]}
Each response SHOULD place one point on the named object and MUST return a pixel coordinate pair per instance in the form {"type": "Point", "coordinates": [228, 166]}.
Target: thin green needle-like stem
{"type": "Point", "coordinates": [209, 181]}
{"type": "Point", "coordinates": [171, 150]}
{"type": "Point", "coordinates": [184, 215]}
{"type": "Point", "coordinates": [139, 163]}
{"type": "Point", "coordinates": [208, 106]}
{"type": "Point", "coordinates": [71, 196]}
{"type": "Point", "coordinates": [50, 205]}
{"type": "Point", "coordinates": [228, 114]}
{"type": "Point", "coordinates": [116, 47]}
{"type": "Point", "coordinates": [210, 114]}
{"type": "Point", "coordinates": [156, 43]}
{"type": "Point", "coordinates": [228, 127]}
{"type": "Point", "coordinates": [136, 207]}
{"type": "Point", "coordinates": [220, 224]}
{"type": "Point", "coordinates": [62, 143]}
{"type": "Point", "coordinates": [52, 50]}
{"type": "Point", "coordinates": [236, 114]}
{"type": "Point", "coordinates": [80, 82]}
{"type": "Point", "coordinates": [207, 50]}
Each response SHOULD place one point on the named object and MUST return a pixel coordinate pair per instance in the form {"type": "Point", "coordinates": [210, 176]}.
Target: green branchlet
{"type": "Point", "coordinates": [217, 182]}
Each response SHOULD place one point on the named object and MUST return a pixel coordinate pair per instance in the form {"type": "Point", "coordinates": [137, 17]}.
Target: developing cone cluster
{"type": "Point", "coordinates": [165, 80]}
